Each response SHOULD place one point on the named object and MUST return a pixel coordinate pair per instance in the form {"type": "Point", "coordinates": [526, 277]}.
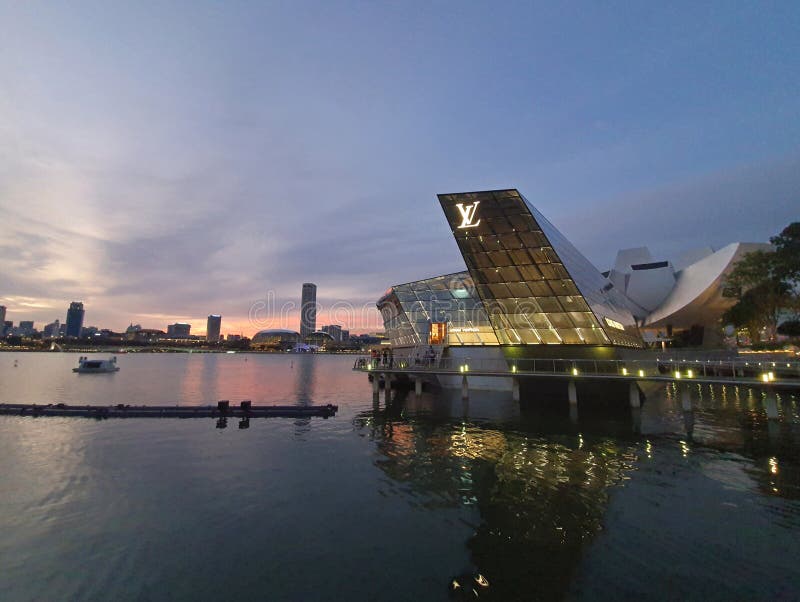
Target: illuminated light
{"type": "Point", "coordinates": [771, 376]}
{"type": "Point", "coordinates": [641, 372]}
{"type": "Point", "coordinates": [481, 580]}
{"type": "Point", "coordinates": [624, 372]}
{"type": "Point", "coordinates": [513, 368]}
{"type": "Point", "coordinates": [765, 377]}
{"type": "Point", "coordinates": [677, 374]}
{"type": "Point", "coordinates": [773, 465]}
{"type": "Point", "coordinates": [468, 215]}
{"type": "Point", "coordinates": [574, 372]}
{"type": "Point", "coordinates": [614, 324]}
{"type": "Point", "coordinates": [689, 373]}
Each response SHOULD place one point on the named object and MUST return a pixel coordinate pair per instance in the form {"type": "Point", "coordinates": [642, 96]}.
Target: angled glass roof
{"type": "Point", "coordinates": [536, 287]}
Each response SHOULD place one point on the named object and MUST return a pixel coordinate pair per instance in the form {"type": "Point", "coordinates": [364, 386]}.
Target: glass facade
{"type": "Point", "coordinates": [534, 285]}
{"type": "Point", "coordinates": [408, 311]}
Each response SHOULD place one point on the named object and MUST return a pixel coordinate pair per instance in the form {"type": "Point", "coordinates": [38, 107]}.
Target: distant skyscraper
{"type": "Point", "coordinates": [51, 330]}
{"type": "Point", "coordinates": [26, 328]}
{"type": "Point", "coordinates": [213, 327]}
{"type": "Point", "coordinates": [2, 314]}
{"type": "Point", "coordinates": [334, 330]}
{"type": "Point", "coordinates": [179, 330]}
{"type": "Point", "coordinates": [308, 310]}
{"type": "Point", "coordinates": [75, 319]}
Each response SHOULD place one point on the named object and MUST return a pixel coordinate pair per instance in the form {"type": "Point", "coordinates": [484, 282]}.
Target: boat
{"type": "Point", "coordinates": [91, 366]}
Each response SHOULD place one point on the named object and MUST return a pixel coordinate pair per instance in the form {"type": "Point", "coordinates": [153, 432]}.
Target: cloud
{"type": "Point", "coordinates": [745, 203]}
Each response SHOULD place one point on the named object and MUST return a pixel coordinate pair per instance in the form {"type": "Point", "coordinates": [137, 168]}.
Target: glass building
{"type": "Point", "coordinates": [308, 310]}
{"type": "Point", "coordinates": [440, 310]}
{"type": "Point", "coordinates": [75, 319]}
{"type": "Point", "coordinates": [213, 327]}
{"type": "Point", "coordinates": [525, 285]}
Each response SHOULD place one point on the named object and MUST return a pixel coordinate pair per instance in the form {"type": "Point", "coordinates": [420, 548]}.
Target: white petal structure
{"type": "Point", "coordinates": [697, 295]}
{"type": "Point", "coordinates": [679, 296]}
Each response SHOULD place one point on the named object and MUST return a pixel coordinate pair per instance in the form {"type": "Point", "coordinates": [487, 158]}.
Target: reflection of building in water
{"type": "Point", "coordinates": [305, 367]}
{"type": "Point", "coordinates": [537, 499]}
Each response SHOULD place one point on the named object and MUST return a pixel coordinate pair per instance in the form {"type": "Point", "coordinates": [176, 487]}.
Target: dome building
{"type": "Point", "coordinates": [276, 338]}
{"type": "Point", "coordinates": [318, 338]}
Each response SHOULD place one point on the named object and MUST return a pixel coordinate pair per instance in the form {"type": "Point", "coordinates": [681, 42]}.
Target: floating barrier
{"type": "Point", "coordinates": [223, 409]}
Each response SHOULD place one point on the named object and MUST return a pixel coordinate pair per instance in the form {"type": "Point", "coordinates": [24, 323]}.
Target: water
{"type": "Point", "coordinates": [386, 503]}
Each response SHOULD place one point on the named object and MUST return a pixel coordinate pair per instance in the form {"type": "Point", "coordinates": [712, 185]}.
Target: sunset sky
{"type": "Point", "coordinates": [161, 163]}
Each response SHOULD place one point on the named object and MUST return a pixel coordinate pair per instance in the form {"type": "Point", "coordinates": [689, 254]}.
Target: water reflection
{"type": "Point", "coordinates": [304, 366]}
{"type": "Point", "coordinates": [541, 482]}
{"type": "Point", "coordinates": [537, 496]}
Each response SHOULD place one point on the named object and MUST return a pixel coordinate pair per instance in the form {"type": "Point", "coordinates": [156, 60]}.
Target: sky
{"type": "Point", "coordinates": [164, 161]}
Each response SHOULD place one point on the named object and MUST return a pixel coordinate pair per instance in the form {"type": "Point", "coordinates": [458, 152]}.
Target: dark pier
{"type": "Point", "coordinates": [223, 409]}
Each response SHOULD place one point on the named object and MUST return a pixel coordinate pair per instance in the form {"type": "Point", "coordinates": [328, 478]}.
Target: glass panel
{"type": "Point", "coordinates": [538, 256]}
{"type": "Point", "coordinates": [560, 320]}
{"type": "Point", "coordinates": [500, 291]}
{"type": "Point", "coordinates": [482, 260]}
{"type": "Point", "coordinates": [500, 258]}
{"type": "Point", "coordinates": [529, 337]}
{"type": "Point", "coordinates": [510, 274]}
{"type": "Point", "coordinates": [530, 272]}
{"type": "Point", "coordinates": [540, 320]}
{"type": "Point", "coordinates": [549, 304]}
{"type": "Point", "coordinates": [511, 241]}
{"type": "Point", "coordinates": [520, 257]}
{"type": "Point", "coordinates": [519, 289]}
{"type": "Point", "coordinates": [540, 288]}
{"type": "Point", "coordinates": [570, 336]}
{"type": "Point", "coordinates": [549, 336]}
{"type": "Point", "coordinates": [582, 319]}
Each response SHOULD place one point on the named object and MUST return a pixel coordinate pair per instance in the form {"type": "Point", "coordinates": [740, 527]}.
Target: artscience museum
{"type": "Point", "coordinates": [528, 292]}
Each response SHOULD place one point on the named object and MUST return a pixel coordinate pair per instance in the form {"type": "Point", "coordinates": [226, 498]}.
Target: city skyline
{"type": "Point", "coordinates": [318, 160]}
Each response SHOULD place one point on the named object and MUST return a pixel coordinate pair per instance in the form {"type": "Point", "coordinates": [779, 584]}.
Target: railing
{"type": "Point", "coordinates": [766, 371]}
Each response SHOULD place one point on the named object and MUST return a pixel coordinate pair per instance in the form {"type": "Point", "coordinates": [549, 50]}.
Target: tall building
{"type": "Point", "coordinates": [213, 327]}
{"type": "Point", "coordinates": [26, 328]}
{"type": "Point", "coordinates": [51, 330]}
{"type": "Point", "coordinates": [179, 330]}
{"type": "Point", "coordinates": [2, 314]}
{"type": "Point", "coordinates": [335, 331]}
{"type": "Point", "coordinates": [75, 319]}
{"type": "Point", "coordinates": [308, 310]}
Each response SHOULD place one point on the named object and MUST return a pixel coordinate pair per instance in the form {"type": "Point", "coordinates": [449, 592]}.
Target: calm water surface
{"type": "Point", "coordinates": [386, 501]}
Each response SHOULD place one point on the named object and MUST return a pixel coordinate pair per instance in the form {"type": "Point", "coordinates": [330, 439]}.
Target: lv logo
{"type": "Point", "coordinates": [468, 215]}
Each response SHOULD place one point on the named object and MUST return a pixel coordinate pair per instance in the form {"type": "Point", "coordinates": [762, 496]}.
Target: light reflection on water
{"type": "Point", "coordinates": [392, 501]}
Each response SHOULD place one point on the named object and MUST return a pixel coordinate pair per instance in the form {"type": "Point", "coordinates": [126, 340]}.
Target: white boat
{"type": "Point", "coordinates": [90, 366]}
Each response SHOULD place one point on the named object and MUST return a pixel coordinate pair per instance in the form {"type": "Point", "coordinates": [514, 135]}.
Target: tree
{"type": "Point", "coordinates": [787, 251]}
{"type": "Point", "coordinates": [790, 328]}
{"type": "Point", "coordinates": [757, 309]}
{"type": "Point", "coordinates": [762, 282]}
